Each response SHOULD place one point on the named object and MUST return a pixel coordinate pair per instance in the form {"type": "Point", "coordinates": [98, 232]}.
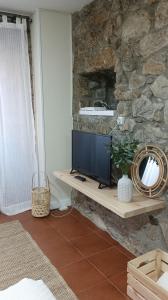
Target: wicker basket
{"type": "Point", "coordinates": [41, 200]}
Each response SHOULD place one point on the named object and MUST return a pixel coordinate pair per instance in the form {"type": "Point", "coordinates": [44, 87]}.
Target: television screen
{"type": "Point", "coordinates": [90, 155]}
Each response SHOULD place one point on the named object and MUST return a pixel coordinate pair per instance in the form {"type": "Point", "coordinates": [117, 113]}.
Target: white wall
{"type": "Point", "coordinates": [52, 57]}
{"type": "Point", "coordinates": [57, 87]}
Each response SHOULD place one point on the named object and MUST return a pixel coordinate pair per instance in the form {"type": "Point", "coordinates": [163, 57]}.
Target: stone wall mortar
{"type": "Point", "coordinates": [132, 38]}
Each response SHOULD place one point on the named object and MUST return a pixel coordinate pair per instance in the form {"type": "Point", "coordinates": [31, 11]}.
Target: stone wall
{"type": "Point", "coordinates": [130, 37]}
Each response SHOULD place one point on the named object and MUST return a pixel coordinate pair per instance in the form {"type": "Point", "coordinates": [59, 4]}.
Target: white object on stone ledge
{"type": "Point", "coordinates": [96, 112]}
{"type": "Point", "coordinates": [92, 108]}
{"type": "Point", "coordinates": [125, 189]}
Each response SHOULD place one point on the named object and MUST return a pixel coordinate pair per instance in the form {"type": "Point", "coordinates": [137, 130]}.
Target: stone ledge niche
{"type": "Point", "coordinates": [99, 89]}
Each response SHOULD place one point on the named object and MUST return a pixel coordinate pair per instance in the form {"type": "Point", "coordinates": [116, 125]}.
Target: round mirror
{"type": "Point", "coordinates": [150, 171]}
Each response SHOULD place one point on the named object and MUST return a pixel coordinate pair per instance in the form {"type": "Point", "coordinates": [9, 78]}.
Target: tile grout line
{"type": "Point", "coordinates": [85, 290]}
{"type": "Point", "coordinates": [105, 278]}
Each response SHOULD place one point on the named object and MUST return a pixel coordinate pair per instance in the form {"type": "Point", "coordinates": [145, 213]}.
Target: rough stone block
{"type": "Point", "coordinates": [166, 113]}
{"type": "Point", "coordinates": [136, 25]}
{"type": "Point", "coordinates": [139, 134]}
{"type": "Point", "coordinates": [147, 92]}
{"type": "Point", "coordinates": [156, 134]}
{"type": "Point", "coordinates": [136, 80]}
{"type": "Point", "coordinates": [124, 108]}
{"type": "Point", "coordinates": [103, 59]}
{"type": "Point", "coordinates": [129, 125]}
{"type": "Point", "coordinates": [124, 94]}
{"type": "Point", "coordinates": [150, 2]}
{"type": "Point", "coordinates": [160, 87]}
{"type": "Point", "coordinates": [127, 59]}
{"type": "Point", "coordinates": [142, 107]}
{"type": "Point", "coordinates": [161, 14]}
{"type": "Point", "coordinates": [150, 68]}
{"type": "Point", "coordinates": [145, 108]}
{"type": "Point", "coordinates": [154, 42]}
{"type": "Point", "coordinates": [156, 64]}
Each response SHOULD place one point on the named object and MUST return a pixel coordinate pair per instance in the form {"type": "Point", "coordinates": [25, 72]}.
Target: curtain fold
{"type": "Point", "coordinates": [17, 134]}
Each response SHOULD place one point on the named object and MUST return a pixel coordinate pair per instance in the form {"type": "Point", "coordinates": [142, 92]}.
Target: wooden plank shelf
{"type": "Point", "coordinates": [107, 197]}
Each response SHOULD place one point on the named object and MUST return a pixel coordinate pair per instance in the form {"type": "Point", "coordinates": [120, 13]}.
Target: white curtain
{"type": "Point", "coordinates": [17, 135]}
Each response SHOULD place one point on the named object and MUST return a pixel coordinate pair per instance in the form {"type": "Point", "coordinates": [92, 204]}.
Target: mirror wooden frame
{"type": "Point", "coordinates": [162, 182]}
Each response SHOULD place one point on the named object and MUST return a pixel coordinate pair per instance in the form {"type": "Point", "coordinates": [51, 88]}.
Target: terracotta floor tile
{"type": "Point", "coordinates": [81, 276]}
{"type": "Point", "coordinates": [106, 236]}
{"type": "Point", "coordinates": [126, 252]}
{"type": "Point", "coordinates": [49, 239]}
{"type": "Point", "coordinates": [102, 291]}
{"type": "Point", "coordinates": [90, 244]}
{"type": "Point", "coordinates": [62, 255]}
{"type": "Point", "coordinates": [120, 281]}
{"type": "Point", "coordinates": [110, 262]}
{"type": "Point", "coordinates": [36, 227]}
{"type": "Point", "coordinates": [70, 228]}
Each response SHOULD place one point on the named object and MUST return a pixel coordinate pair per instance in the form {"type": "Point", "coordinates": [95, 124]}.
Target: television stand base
{"type": "Point", "coordinates": [102, 186]}
{"type": "Point", "coordinates": [73, 172]}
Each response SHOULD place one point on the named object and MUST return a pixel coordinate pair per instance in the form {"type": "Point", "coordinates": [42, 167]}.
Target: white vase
{"type": "Point", "coordinates": [125, 189]}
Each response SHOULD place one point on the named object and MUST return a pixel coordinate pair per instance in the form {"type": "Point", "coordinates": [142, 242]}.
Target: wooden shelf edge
{"type": "Point", "coordinates": [108, 197]}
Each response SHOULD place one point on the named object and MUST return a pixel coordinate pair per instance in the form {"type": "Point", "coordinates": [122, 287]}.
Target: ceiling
{"type": "Point", "coordinates": [31, 5]}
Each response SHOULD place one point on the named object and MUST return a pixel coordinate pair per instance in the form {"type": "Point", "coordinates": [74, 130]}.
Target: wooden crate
{"type": "Point", "coordinates": [143, 273]}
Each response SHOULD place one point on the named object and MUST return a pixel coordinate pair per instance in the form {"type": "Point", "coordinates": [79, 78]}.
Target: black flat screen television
{"type": "Point", "coordinates": [90, 155]}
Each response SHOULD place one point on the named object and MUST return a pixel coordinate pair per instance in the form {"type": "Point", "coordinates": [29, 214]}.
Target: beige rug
{"type": "Point", "coordinates": [20, 257]}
